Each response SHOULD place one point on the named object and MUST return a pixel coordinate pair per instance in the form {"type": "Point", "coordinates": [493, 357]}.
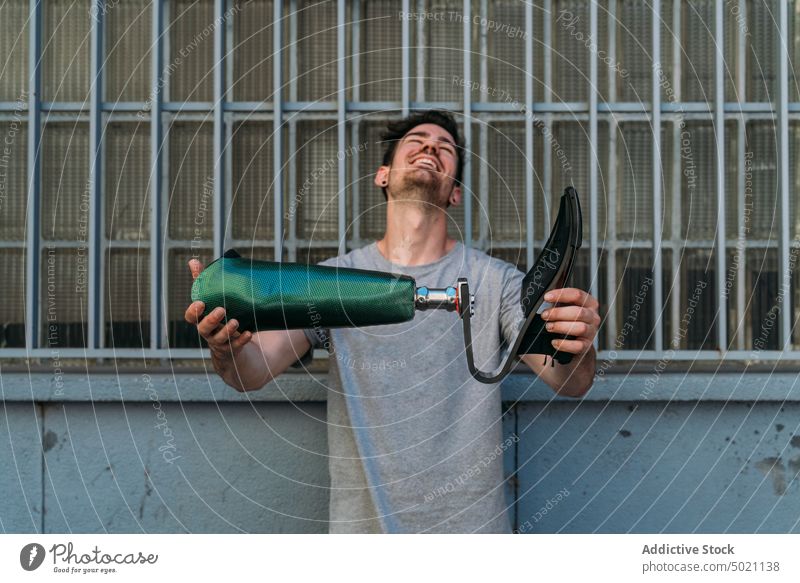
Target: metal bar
{"type": "Point", "coordinates": [676, 240]}
{"type": "Point", "coordinates": [341, 126]}
{"type": "Point", "coordinates": [610, 247]}
{"type": "Point", "coordinates": [405, 64]}
{"type": "Point", "coordinates": [355, 127]}
{"type": "Point", "coordinates": [467, 74]}
{"type": "Point", "coordinates": [291, 242]}
{"type": "Point", "coordinates": [530, 226]}
{"type": "Point", "coordinates": [219, 129]}
{"type": "Point", "coordinates": [420, 46]}
{"type": "Point", "coordinates": [593, 161]}
{"type": "Point", "coordinates": [483, 133]}
{"type": "Point", "coordinates": [719, 132]}
{"type": "Point", "coordinates": [741, 152]}
{"type": "Point", "coordinates": [157, 331]}
{"type": "Point", "coordinates": [277, 153]}
{"type": "Point", "coordinates": [548, 51]}
{"type": "Point", "coordinates": [783, 165]}
{"type": "Point", "coordinates": [195, 354]}
{"type": "Point", "coordinates": [33, 239]}
{"type": "Point", "coordinates": [657, 177]}
{"type": "Point", "coordinates": [94, 275]}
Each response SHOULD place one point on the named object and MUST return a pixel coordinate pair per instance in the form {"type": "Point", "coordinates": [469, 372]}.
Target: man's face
{"type": "Point", "coordinates": [423, 168]}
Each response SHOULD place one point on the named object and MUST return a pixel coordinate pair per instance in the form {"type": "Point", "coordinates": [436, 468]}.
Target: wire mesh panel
{"type": "Point", "coordinates": [191, 195]}
{"type": "Point", "coordinates": [573, 46]}
{"type": "Point", "coordinates": [252, 208]}
{"type": "Point", "coordinates": [761, 65]}
{"type": "Point", "coordinates": [380, 50]}
{"type": "Point", "coordinates": [762, 214]}
{"type": "Point", "coordinates": [65, 54]}
{"type": "Point", "coordinates": [794, 179]}
{"type": "Point", "coordinates": [316, 163]}
{"type": "Point", "coordinates": [65, 181]}
{"type": "Point", "coordinates": [191, 50]}
{"type": "Point", "coordinates": [12, 288]}
{"type": "Point", "coordinates": [127, 172]}
{"type": "Point", "coordinates": [763, 300]}
{"type": "Point", "coordinates": [505, 211]}
{"type": "Point", "coordinates": [127, 298]}
{"type": "Point", "coordinates": [793, 46]}
{"type": "Point", "coordinates": [316, 50]}
{"type": "Point", "coordinates": [14, 48]}
{"type": "Point", "coordinates": [502, 32]}
{"type": "Point", "coordinates": [13, 179]}
{"type": "Point", "coordinates": [62, 298]}
{"type": "Point", "coordinates": [698, 180]}
{"type": "Point", "coordinates": [252, 54]}
{"type": "Point", "coordinates": [634, 210]}
{"type": "Point", "coordinates": [128, 41]}
{"type": "Point", "coordinates": [439, 48]}
{"type": "Point", "coordinates": [697, 22]}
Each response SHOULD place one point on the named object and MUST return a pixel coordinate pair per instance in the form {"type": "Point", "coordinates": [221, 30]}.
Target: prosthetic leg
{"type": "Point", "coordinates": [266, 295]}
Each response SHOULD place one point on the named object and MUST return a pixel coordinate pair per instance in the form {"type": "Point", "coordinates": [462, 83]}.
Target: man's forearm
{"type": "Point", "coordinates": [570, 380]}
{"type": "Point", "coordinates": [244, 372]}
{"type": "Point", "coordinates": [576, 378]}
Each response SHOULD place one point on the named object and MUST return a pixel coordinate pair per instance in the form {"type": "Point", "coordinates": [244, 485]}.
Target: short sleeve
{"type": "Point", "coordinates": [318, 337]}
{"type": "Point", "coordinates": [511, 316]}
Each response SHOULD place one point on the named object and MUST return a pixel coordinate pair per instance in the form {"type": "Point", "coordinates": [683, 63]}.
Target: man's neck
{"type": "Point", "coordinates": [414, 236]}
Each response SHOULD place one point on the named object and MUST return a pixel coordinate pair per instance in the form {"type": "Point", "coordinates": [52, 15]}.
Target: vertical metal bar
{"type": "Point", "coordinates": [292, 137]}
{"type": "Point", "coordinates": [157, 331]}
{"type": "Point", "coordinates": [33, 241]}
{"type": "Point", "coordinates": [483, 133]}
{"type": "Point", "coordinates": [547, 49]}
{"type": "Point", "coordinates": [277, 119]}
{"type": "Point", "coordinates": [593, 147]}
{"type": "Point", "coordinates": [341, 126]}
{"type": "Point", "coordinates": [657, 173]}
{"type": "Point", "coordinates": [785, 185]}
{"type": "Point", "coordinates": [420, 46]}
{"type": "Point", "coordinates": [219, 128]}
{"type": "Point", "coordinates": [355, 126]}
{"type": "Point", "coordinates": [719, 133]}
{"type": "Point", "coordinates": [610, 324]}
{"type": "Point", "coordinates": [677, 238]}
{"type": "Point", "coordinates": [529, 162]}
{"type": "Point", "coordinates": [467, 178]}
{"type": "Point", "coordinates": [741, 152]}
{"type": "Point", "coordinates": [95, 268]}
{"type": "Point", "coordinates": [405, 64]}
{"type": "Point", "coordinates": [547, 151]}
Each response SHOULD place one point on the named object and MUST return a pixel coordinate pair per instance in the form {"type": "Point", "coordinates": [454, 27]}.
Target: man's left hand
{"type": "Point", "coordinates": [577, 315]}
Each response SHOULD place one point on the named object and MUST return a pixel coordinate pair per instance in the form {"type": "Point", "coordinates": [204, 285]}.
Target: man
{"type": "Point", "coordinates": [415, 442]}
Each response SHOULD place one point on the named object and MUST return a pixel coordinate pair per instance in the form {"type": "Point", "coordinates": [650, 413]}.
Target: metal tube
{"type": "Point", "coordinates": [719, 132]}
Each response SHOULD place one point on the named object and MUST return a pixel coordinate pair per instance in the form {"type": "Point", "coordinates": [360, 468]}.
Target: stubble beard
{"type": "Point", "coordinates": [422, 188]}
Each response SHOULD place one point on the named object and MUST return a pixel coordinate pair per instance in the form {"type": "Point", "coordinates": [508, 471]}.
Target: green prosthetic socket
{"type": "Point", "coordinates": [265, 295]}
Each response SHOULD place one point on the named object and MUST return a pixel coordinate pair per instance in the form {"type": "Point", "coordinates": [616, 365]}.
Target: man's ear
{"type": "Point", "coordinates": [455, 196]}
{"type": "Point", "coordinates": [382, 177]}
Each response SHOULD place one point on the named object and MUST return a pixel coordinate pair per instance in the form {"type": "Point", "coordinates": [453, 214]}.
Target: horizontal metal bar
{"type": "Point", "coordinates": [690, 107]}
{"type": "Point", "coordinates": [603, 355]}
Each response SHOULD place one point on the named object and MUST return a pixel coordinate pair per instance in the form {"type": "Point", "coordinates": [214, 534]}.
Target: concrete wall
{"type": "Point", "coordinates": [184, 453]}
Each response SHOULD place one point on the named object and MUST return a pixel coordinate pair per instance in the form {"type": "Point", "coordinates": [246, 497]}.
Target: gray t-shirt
{"type": "Point", "coordinates": [415, 442]}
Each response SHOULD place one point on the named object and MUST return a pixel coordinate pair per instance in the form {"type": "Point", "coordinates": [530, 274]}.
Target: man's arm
{"type": "Point", "coordinates": [245, 361]}
{"type": "Point", "coordinates": [577, 315]}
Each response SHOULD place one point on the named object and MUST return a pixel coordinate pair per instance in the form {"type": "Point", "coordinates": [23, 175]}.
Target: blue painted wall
{"type": "Point", "coordinates": [184, 453]}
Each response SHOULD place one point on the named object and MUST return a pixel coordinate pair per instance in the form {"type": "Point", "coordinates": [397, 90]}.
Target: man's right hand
{"type": "Point", "coordinates": [225, 342]}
